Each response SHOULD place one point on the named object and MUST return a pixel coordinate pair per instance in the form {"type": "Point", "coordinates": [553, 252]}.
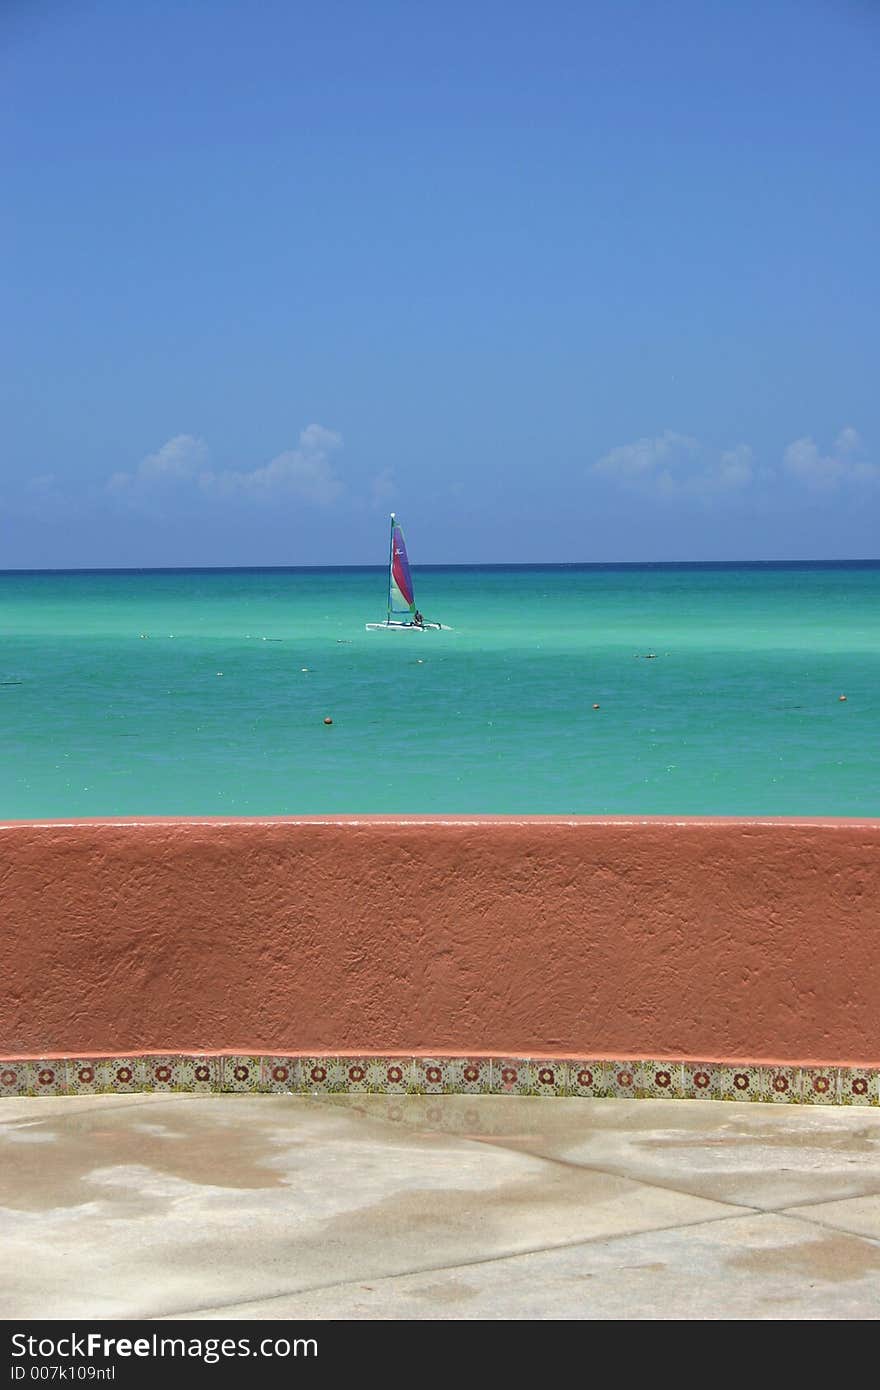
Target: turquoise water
{"type": "Point", "coordinates": [739, 713]}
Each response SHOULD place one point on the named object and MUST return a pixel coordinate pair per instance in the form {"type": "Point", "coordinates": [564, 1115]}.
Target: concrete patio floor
{"type": "Point", "coordinates": [276, 1206]}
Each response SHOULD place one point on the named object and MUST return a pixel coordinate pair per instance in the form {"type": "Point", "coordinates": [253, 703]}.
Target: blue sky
{"type": "Point", "coordinates": [592, 281]}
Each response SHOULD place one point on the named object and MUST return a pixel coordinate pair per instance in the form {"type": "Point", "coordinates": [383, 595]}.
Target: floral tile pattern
{"type": "Point", "coordinates": [739, 1083]}
{"type": "Point", "coordinates": [414, 1080]}
{"type": "Point", "coordinates": [701, 1081]}
{"type": "Point", "coordinates": [123, 1075]}
{"type": "Point", "coordinates": [47, 1078]}
{"type": "Point", "coordinates": [512, 1076]}
{"type": "Point", "coordinates": [659, 1080]}
{"type": "Point", "coordinates": [452, 1075]}
{"type": "Point", "coordinates": [820, 1086]}
{"type": "Point", "coordinates": [390, 1075]}
{"type": "Point", "coordinates": [621, 1079]}
{"type": "Point", "coordinates": [279, 1074]}
{"type": "Point", "coordinates": [550, 1078]}
{"type": "Point", "coordinates": [320, 1075]}
{"type": "Point", "coordinates": [85, 1076]}
{"type": "Point", "coordinates": [471, 1075]}
{"type": "Point", "coordinates": [353, 1074]}
{"type": "Point", "coordinates": [241, 1074]}
{"type": "Point", "coordinates": [781, 1084]}
{"type": "Point", "coordinates": [163, 1074]}
{"type": "Point", "coordinates": [586, 1078]}
{"type": "Point", "coordinates": [15, 1078]}
{"type": "Point", "coordinates": [858, 1086]}
{"type": "Point", "coordinates": [201, 1072]}
{"type": "Point", "coordinates": [431, 1076]}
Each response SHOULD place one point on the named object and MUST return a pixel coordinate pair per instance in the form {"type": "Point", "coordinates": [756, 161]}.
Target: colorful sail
{"type": "Point", "coordinates": [400, 585]}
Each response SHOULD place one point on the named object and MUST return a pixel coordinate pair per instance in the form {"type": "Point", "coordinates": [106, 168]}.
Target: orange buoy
{"type": "Point", "coordinates": [328, 720]}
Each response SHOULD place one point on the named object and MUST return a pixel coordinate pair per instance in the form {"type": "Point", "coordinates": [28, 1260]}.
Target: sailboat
{"type": "Point", "coordinates": [403, 616]}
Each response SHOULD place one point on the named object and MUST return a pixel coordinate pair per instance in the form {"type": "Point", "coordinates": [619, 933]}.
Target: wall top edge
{"type": "Point", "coordinates": [367, 1054]}
{"type": "Point", "coordinates": [377, 821]}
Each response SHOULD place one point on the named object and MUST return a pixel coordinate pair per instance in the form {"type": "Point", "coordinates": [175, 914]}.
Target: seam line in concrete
{"type": "Point", "coordinates": [570, 1166]}
{"type": "Point", "coordinates": [813, 1222]}
{"type": "Point", "coordinates": [455, 1264]}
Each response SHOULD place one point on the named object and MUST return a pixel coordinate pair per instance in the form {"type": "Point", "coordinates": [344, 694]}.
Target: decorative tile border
{"type": "Point", "coordinates": [589, 1078]}
{"type": "Point", "coordinates": [620, 1079]}
{"type": "Point", "coordinates": [858, 1086]}
{"type": "Point", "coordinates": [660, 1080]}
{"type": "Point", "coordinates": [279, 1074]}
{"type": "Point", "coordinates": [392, 1076]}
{"type": "Point", "coordinates": [48, 1078]}
{"type": "Point", "coordinates": [434, 1076]}
{"type": "Point", "coordinates": [781, 1085]}
{"type": "Point", "coordinates": [739, 1083]}
{"type": "Point", "coordinates": [428, 1077]}
{"type": "Point", "coordinates": [124, 1075]}
{"type": "Point", "coordinates": [701, 1081]}
{"type": "Point", "coordinates": [512, 1076]}
{"type": "Point", "coordinates": [14, 1078]}
{"type": "Point", "coordinates": [241, 1074]}
{"type": "Point", "coordinates": [820, 1086]}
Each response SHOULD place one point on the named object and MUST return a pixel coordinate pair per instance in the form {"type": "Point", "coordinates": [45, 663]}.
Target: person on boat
{"type": "Point", "coordinates": [418, 620]}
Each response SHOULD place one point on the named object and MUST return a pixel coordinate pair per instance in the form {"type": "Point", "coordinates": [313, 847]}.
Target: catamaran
{"type": "Point", "coordinates": [403, 616]}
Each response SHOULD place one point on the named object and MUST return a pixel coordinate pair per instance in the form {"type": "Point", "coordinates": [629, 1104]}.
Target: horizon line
{"type": "Point", "coordinates": [436, 565]}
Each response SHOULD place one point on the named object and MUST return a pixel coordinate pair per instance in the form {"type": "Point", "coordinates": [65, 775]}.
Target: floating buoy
{"type": "Point", "coordinates": [841, 697]}
{"type": "Point", "coordinates": [328, 720]}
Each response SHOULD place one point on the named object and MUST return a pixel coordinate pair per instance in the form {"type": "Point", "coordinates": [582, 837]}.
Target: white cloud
{"type": "Point", "coordinates": [735, 468]}
{"type": "Point", "coordinates": [643, 458]}
{"type": "Point", "coordinates": [305, 473]}
{"type": "Point", "coordinates": [316, 438]}
{"type": "Point", "coordinates": [178, 460]}
{"type": "Point", "coordinates": [674, 465]}
{"type": "Point", "coordinates": [848, 441]}
{"type": "Point", "coordinates": [678, 466]}
{"type": "Point", "coordinates": [804, 461]}
{"type": "Point", "coordinates": [181, 457]}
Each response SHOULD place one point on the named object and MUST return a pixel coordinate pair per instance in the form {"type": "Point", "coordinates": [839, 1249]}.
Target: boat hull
{"type": "Point", "coordinates": [407, 627]}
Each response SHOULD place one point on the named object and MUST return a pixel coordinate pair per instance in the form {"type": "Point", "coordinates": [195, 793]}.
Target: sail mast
{"type": "Point", "coordinates": [390, 565]}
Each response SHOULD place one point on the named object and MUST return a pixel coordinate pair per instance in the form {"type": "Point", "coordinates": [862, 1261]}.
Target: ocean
{"type": "Point", "coordinates": [204, 692]}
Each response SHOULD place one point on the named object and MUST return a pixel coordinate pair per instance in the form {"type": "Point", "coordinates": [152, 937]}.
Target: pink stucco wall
{"type": "Point", "coordinates": [528, 937]}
